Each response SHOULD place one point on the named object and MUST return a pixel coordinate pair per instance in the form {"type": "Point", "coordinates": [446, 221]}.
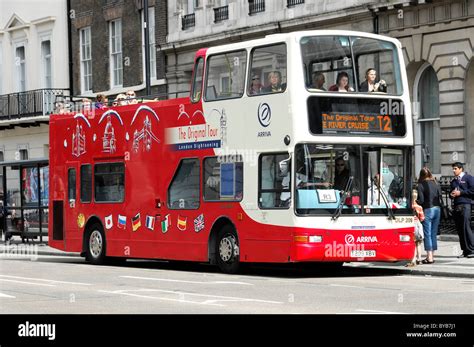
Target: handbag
{"type": "Point", "coordinates": [445, 215]}
{"type": "Point", "coordinates": [418, 231]}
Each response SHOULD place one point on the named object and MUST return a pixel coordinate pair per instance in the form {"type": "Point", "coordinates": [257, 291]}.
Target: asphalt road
{"type": "Point", "coordinates": [69, 285]}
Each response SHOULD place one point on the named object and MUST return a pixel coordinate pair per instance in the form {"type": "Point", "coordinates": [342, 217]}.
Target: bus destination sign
{"type": "Point", "coordinates": [356, 123]}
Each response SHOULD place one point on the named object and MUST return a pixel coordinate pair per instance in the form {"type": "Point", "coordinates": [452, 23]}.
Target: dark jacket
{"type": "Point", "coordinates": [429, 194]}
{"type": "Point", "coordinates": [466, 187]}
{"type": "Point", "coordinates": [269, 89]}
{"type": "Point", "coordinates": [364, 87]}
{"type": "Point", "coordinates": [340, 180]}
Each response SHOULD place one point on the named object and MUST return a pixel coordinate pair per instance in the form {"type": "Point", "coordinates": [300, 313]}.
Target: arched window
{"type": "Point", "coordinates": [428, 120]}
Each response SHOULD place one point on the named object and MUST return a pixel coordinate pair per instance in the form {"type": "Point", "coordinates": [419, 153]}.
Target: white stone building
{"type": "Point", "coordinates": [33, 70]}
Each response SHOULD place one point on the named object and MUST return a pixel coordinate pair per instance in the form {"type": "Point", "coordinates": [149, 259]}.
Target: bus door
{"type": "Point", "coordinates": [72, 218]}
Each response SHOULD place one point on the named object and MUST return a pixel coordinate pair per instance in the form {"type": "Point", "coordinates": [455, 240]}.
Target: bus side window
{"type": "Point", "coordinates": [71, 184]}
{"type": "Point", "coordinates": [197, 80]}
{"type": "Point", "coordinates": [226, 75]}
{"type": "Point", "coordinates": [274, 181]}
{"type": "Point", "coordinates": [86, 183]}
{"type": "Point", "coordinates": [109, 180]}
{"type": "Point", "coordinates": [268, 63]}
{"type": "Point", "coordinates": [183, 192]}
{"type": "Point", "coordinates": [223, 179]}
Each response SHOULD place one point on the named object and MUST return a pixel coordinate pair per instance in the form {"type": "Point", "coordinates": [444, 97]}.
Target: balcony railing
{"type": "Point", "coordinates": [39, 102]}
{"type": "Point", "coordinates": [188, 21]}
{"type": "Point", "coordinates": [291, 3]}
{"type": "Point", "coordinates": [221, 14]}
{"type": "Point", "coordinates": [256, 6]}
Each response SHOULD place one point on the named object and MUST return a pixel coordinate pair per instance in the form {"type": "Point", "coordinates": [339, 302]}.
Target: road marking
{"type": "Point", "coordinates": [183, 281]}
{"type": "Point", "coordinates": [377, 312]}
{"type": "Point", "coordinates": [24, 282]}
{"type": "Point", "coordinates": [7, 296]}
{"type": "Point", "coordinates": [210, 299]}
{"type": "Point", "coordinates": [45, 280]}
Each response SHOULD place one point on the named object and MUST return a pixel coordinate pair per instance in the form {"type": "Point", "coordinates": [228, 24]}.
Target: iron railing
{"type": "Point", "coordinates": [256, 6]}
{"type": "Point", "coordinates": [188, 21]}
{"type": "Point", "coordinates": [221, 14]}
{"type": "Point", "coordinates": [39, 102]}
{"type": "Point", "coordinates": [291, 3]}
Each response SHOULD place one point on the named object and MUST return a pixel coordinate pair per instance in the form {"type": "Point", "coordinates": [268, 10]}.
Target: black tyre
{"type": "Point", "coordinates": [227, 250]}
{"type": "Point", "coordinates": [95, 244]}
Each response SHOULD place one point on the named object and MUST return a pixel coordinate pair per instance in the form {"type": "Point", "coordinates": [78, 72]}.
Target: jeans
{"type": "Point", "coordinates": [430, 228]}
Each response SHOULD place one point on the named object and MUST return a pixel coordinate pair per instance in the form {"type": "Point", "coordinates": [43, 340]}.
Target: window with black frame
{"type": "Point", "coordinates": [109, 182]}
{"type": "Point", "coordinates": [86, 183]}
{"type": "Point", "coordinates": [71, 184]}
{"type": "Point", "coordinates": [183, 192]}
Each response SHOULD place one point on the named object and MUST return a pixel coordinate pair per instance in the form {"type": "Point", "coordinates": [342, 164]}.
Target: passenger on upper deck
{"type": "Point", "coordinates": [318, 80]}
{"type": "Point", "coordinates": [255, 85]}
{"type": "Point", "coordinates": [342, 83]}
{"type": "Point", "coordinates": [275, 85]}
{"type": "Point", "coordinates": [370, 85]}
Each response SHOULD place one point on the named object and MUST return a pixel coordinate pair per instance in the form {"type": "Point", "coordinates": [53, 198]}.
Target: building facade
{"type": "Point", "coordinates": [108, 50]}
{"type": "Point", "coordinates": [437, 38]}
{"type": "Point", "coordinates": [33, 70]}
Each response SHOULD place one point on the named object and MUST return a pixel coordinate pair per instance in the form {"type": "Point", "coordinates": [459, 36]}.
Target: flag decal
{"type": "Point", "coordinates": [150, 222]}
{"type": "Point", "coordinates": [136, 222]}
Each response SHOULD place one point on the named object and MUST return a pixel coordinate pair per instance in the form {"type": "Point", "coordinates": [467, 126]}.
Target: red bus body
{"type": "Point", "coordinates": [144, 225]}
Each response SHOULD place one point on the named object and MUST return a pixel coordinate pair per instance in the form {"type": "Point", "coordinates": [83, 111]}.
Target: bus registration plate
{"type": "Point", "coordinates": [358, 253]}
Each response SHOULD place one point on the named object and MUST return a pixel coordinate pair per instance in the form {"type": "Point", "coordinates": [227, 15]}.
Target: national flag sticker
{"type": "Point", "coordinates": [136, 222]}
{"type": "Point", "coordinates": [122, 221]}
{"type": "Point", "coordinates": [165, 223]}
{"type": "Point", "coordinates": [109, 223]}
{"type": "Point", "coordinates": [150, 222]}
{"type": "Point", "coordinates": [199, 223]}
{"type": "Point", "coordinates": [182, 222]}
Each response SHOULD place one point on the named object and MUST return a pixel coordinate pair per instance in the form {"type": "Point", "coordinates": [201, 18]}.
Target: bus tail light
{"type": "Point", "coordinates": [404, 238]}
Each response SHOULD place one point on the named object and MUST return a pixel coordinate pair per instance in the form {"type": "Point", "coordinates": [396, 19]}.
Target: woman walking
{"type": "Point", "coordinates": [429, 195]}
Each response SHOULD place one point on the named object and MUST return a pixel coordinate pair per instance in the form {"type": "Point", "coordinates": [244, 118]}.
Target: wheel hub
{"type": "Point", "coordinates": [95, 244]}
{"type": "Point", "coordinates": [228, 248]}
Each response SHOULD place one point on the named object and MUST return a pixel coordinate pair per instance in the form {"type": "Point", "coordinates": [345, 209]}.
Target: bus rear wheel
{"type": "Point", "coordinates": [95, 245]}
{"type": "Point", "coordinates": [227, 250]}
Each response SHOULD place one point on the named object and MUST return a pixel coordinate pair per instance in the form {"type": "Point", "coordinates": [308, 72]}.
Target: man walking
{"type": "Point", "coordinates": [462, 191]}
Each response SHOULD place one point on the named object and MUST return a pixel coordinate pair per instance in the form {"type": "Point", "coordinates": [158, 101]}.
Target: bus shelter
{"type": "Point", "coordinates": [24, 191]}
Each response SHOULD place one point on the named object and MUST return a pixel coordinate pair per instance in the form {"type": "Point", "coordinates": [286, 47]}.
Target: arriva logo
{"type": "Point", "coordinates": [366, 239]}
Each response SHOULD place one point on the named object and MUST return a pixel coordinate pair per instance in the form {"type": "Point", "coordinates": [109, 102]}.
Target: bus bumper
{"type": "Point", "coordinates": [400, 246]}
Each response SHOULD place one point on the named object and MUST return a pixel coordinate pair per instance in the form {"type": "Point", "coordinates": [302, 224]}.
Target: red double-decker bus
{"type": "Point", "coordinates": [279, 154]}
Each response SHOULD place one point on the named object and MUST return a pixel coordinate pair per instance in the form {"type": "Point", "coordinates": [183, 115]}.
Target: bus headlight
{"type": "Point", "coordinates": [316, 239]}
{"type": "Point", "coordinates": [404, 238]}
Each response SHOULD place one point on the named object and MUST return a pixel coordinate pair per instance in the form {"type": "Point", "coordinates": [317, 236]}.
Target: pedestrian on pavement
{"type": "Point", "coordinates": [419, 236]}
{"type": "Point", "coordinates": [429, 195]}
{"type": "Point", "coordinates": [462, 191]}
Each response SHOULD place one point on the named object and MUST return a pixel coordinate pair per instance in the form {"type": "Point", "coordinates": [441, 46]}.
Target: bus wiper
{"type": "Point", "coordinates": [344, 195]}
{"type": "Point", "coordinates": [385, 200]}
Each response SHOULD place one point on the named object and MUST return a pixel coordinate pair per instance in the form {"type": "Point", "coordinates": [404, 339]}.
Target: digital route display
{"type": "Point", "coordinates": [336, 122]}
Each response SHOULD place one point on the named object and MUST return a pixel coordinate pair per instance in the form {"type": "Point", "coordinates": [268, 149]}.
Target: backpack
{"type": "Point", "coordinates": [396, 187]}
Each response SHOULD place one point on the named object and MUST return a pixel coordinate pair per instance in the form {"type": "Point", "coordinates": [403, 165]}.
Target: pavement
{"type": "Point", "coordinates": [447, 263]}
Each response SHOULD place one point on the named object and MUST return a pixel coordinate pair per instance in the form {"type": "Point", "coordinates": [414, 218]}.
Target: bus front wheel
{"type": "Point", "coordinates": [228, 250]}
{"type": "Point", "coordinates": [95, 251]}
